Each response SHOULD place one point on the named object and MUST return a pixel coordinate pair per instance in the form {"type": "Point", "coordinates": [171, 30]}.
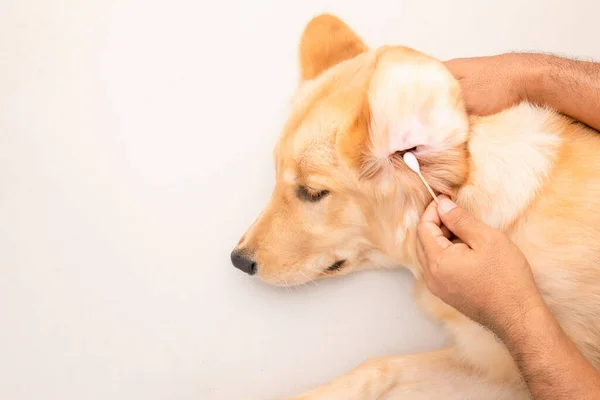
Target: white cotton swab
{"type": "Point", "coordinates": [412, 162]}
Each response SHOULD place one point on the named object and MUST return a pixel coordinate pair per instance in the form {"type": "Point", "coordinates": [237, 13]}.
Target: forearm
{"type": "Point", "coordinates": [571, 87]}
{"type": "Point", "coordinates": [551, 364]}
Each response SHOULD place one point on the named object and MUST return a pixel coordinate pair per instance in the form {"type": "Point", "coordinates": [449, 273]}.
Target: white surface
{"type": "Point", "coordinates": [135, 149]}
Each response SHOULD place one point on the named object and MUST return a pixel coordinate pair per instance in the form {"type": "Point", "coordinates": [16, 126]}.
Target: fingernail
{"type": "Point", "coordinates": [445, 206]}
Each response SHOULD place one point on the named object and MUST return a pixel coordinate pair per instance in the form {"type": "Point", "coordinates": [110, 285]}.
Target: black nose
{"type": "Point", "coordinates": [243, 262]}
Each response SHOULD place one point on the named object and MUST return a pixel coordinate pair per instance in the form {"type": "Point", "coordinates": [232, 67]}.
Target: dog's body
{"type": "Point", "coordinates": [527, 171]}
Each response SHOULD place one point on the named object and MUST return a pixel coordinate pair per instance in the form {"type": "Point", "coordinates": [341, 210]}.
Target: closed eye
{"type": "Point", "coordinates": [305, 193]}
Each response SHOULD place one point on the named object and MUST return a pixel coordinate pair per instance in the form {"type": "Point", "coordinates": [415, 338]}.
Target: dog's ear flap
{"type": "Point", "coordinates": [327, 41]}
{"type": "Point", "coordinates": [411, 101]}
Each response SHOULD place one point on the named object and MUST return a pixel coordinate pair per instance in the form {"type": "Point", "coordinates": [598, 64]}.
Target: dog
{"type": "Point", "coordinates": [344, 201]}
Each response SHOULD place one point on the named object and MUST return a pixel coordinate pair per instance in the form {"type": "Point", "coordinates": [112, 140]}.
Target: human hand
{"type": "Point", "coordinates": [487, 277]}
{"type": "Point", "coordinates": [491, 84]}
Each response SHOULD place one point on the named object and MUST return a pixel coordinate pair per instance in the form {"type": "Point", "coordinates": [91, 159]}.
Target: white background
{"type": "Point", "coordinates": [135, 150]}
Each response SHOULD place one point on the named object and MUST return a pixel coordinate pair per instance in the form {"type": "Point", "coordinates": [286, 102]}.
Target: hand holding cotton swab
{"type": "Point", "coordinates": [412, 162]}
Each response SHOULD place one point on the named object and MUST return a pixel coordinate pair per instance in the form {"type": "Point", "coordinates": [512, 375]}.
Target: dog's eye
{"type": "Point", "coordinates": [308, 194]}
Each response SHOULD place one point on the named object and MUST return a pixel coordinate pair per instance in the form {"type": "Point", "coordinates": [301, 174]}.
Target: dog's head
{"type": "Point", "coordinates": [343, 198]}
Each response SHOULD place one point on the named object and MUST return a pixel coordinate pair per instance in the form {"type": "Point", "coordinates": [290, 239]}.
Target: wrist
{"type": "Point", "coordinates": [529, 315]}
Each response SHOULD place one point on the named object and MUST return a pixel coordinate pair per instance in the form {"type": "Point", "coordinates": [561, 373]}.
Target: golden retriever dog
{"type": "Point", "coordinates": [344, 201]}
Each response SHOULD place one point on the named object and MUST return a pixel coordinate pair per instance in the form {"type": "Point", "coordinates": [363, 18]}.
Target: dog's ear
{"type": "Point", "coordinates": [411, 100]}
{"type": "Point", "coordinates": [327, 41]}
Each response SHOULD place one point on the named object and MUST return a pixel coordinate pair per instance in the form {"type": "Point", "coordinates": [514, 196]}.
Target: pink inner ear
{"type": "Point", "coordinates": [408, 138]}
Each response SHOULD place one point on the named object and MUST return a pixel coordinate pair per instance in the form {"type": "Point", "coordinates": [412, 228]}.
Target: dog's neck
{"type": "Point", "coordinates": [512, 154]}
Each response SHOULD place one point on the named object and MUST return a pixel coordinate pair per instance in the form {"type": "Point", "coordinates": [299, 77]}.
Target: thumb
{"type": "Point", "coordinates": [464, 225]}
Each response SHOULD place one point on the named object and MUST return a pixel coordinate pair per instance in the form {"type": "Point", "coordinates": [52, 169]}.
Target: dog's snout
{"type": "Point", "coordinates": [242, 261]}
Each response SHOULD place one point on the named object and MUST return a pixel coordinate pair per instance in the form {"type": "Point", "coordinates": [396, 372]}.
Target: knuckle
{"type": "Point", "coordinates": [437, 267]}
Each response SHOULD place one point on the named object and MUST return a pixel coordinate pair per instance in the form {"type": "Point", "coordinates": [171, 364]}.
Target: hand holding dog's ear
{"type": "Point", "coordinates": [491, 84]}
{"type": "Point", "coordinates": [486, 277]}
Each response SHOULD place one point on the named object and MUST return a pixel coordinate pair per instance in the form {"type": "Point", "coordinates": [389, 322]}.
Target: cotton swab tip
{"type": "Point", "coordinates": [412, 162]}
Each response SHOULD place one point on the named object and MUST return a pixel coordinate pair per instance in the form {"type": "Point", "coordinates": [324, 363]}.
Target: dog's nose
{"type": "Point", "coordinates": [243, 262]}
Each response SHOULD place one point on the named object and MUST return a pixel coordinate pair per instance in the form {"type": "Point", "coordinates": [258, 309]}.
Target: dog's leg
{"type": "Point", "coordinates": [435, 375]}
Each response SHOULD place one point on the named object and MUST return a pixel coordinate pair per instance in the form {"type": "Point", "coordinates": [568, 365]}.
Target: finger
{"type": "Point", "coordinates": [431, 213]}
{"type": "Point", "coordinates": [468, 228]}
{"type": "Point", "coordinates": [446, 232]}
{"type": "Point", "coordinates": [429, 233]}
